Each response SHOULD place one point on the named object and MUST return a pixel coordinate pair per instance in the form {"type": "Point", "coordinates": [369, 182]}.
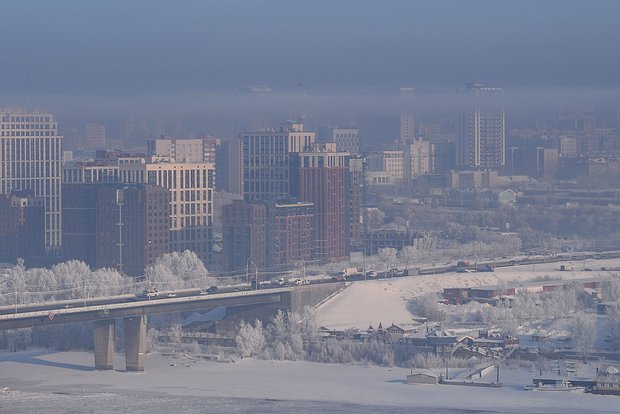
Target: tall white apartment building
{"type": "Point", "coordinates": [407, 119]}
{"type": "Point", "coordinates": [30, 161]}
{"type": "Point", "coordinates": [419, 159]}
{"type": "Point", "coordinates": [481, 127]}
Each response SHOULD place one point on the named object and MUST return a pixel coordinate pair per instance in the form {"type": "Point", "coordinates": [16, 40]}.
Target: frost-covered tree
{"type": "Point", "coordinates": [105, 282]}
{"type": "Point", "coordinates": [177, 271]}
{"type": "Point", "coordinates": [427, 306]}
{"type": "Point", "coordinates": [388, 256]}
{"type": "Point", "coordinates": [72, 278]}
{"type": "Point", "coordinates": [284, 337]}
{"type": "Point", "coordinates": [250, 339]}
{"type": "Point", "coordinates": [611, 290]}
{"type": "Point", "coordinates": [42, 286]}
{"type": "Point", "coordinates": [584, 334]}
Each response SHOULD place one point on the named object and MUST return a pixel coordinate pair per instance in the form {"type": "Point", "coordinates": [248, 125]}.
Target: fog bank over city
{"type": "Point", "coordinates": [333, 62]}
{"type": "Point", "coordinates": [229, 113]}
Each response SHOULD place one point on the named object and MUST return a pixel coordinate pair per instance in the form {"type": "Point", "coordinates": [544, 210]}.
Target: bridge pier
{"type": "Point", "coordinates": [135, 342]}
{"type": "Point", "coordinates": [103, 339]}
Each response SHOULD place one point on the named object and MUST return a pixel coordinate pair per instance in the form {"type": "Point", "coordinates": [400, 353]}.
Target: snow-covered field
{"type": "Point", "coordinates": [385, 301]}
{"type": "Point", "coordinates": [51, 382]}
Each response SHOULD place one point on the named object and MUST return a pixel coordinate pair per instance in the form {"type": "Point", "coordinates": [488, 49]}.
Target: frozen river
{"type": "Point", "coordinates": [49, 382]}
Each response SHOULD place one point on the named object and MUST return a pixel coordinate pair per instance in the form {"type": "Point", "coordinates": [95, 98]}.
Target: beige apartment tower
{"type": "Point", "coordinates": [192, 187]}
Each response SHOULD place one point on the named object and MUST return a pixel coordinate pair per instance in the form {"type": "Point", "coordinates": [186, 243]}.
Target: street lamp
{"type": "Point", "coordinates": [247, 271]}
{"type": "Point", "coordinates": [303, 264]}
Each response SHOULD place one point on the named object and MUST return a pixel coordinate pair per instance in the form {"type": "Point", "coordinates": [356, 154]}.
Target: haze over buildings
{"type": "Point", "coordinates": [193, 64]}
{"type": "Point", "coordinates": [230, 161]}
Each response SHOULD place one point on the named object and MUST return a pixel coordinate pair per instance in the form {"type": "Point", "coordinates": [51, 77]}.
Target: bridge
{"type": "Point", "coordinates": [103, 312]}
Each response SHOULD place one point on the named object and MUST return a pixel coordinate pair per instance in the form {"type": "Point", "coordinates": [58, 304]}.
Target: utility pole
{"type": "Point", "coordinates": [119, 202]}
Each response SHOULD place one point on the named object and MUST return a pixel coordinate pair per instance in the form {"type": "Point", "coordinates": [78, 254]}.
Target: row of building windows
{"type": "Point", "coordinates": [27, 126]}
{"type": "Point", "coordinates": [27, 134]}
{"type": "Point", "coordinates": [7, 118]}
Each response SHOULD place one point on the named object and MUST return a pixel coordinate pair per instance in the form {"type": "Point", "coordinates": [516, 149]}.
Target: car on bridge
{"type": "Point", "coordinates": [208, 291]}
{"type": "Point", "coordinates": [150, 293]}
{"type": "Point", "coordinates": [371, 274]}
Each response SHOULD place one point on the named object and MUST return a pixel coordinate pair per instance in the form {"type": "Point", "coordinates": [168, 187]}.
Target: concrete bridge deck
{"type": "Point", "coordinates": [133, 310]}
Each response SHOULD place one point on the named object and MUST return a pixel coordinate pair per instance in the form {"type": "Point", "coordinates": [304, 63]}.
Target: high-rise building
{"type": "Point", "coordinates": [184, 150]}
{"type": "Point", "coordinates": [418, 159]}
{"type": "Point", "coordinates": [244, 230]}
{"type": "Point", "coordinates": [568, 147]}
{"type": "Point", "coordinates": [95, 136]}
{"type": "Point", "coordinates": [229, 165]}
{"type": "Point", "coordinates": [289, 232]}
{"type": "Point", "coordinates": [22, 229]}
{"type": "Point", "coordinates": [30, 161]}
{"type": "Point", "coordinates": [132, 226]}
{"type": "Point", "coordinates": [346, 139]}
{"type": "Point", "coordinates": [192, 187]}
{"type": "Point", "coordinates": [266, 160]}
{"type": "Point", "coordinates": [125, 227]}
{"type": "Point", "coordinates": [355, 187]}
{"type": "Point", "coordinates": [319, 176]}
{"type": "Point", "coordinates": [79, 222]}
{"type": "Point", "coordinates": [445, 157]}
{"type": "Point", "coordinates": [394, 164]}
{"type": "Point", "coordinates": [407, 119]}
{"type": "Point", "coordinates": [481, 128]}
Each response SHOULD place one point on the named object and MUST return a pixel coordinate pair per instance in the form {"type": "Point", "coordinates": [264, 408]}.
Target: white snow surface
{"type": "Point", "coordinates": [47, 381]}
{"type": "Point", "coordinates": [385, 300]}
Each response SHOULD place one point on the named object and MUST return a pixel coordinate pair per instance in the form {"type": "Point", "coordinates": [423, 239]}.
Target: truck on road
{"type": "Point", "coordinates": [352, 272]}
{"type": "Point", "coordinates": [462, 266]}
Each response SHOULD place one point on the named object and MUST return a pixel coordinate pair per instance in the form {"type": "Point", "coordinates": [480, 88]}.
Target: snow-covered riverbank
{"type": "Point", "coordinates": [385, 301]}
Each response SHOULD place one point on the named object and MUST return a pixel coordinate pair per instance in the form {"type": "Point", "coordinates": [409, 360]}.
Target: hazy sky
{"type": "Point", "coordinates": [129, 47]}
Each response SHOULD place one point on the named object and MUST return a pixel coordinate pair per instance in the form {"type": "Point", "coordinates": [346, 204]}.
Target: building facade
{"type": "Point", "coordinates": [30, 161]}
{"type": "Point", "coordinates": [319, 177]}
{"type": "Point", "coordinates": [266, 160]}
{"type": "Point", "coordinates": [418, 159]}
{"type": "Point", "coordinates": [192, 189]}
{"type": "Point", "coordinates": [244, 231]}
{"type": "Point", "coordinates": [95, 136]}
{"type": "Point", "coordinates": [183, 149]}
{"type": "Point", "coordinates": [79, 230]}
{"type": "Point", "coordinates": [407, 119]}
{"type": "Point", "coordinates": [346, 139]}
{"type": "Point", "coordinates": [289, 232]}
{"type": "Point", "coordinates": [132, 227]}
{"type": "Point", "coordinates": [355, 190]}
{"type": "Point", "coordinates": [22, 229]}
{"type": "Point", "coordinates": [229, 164]}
